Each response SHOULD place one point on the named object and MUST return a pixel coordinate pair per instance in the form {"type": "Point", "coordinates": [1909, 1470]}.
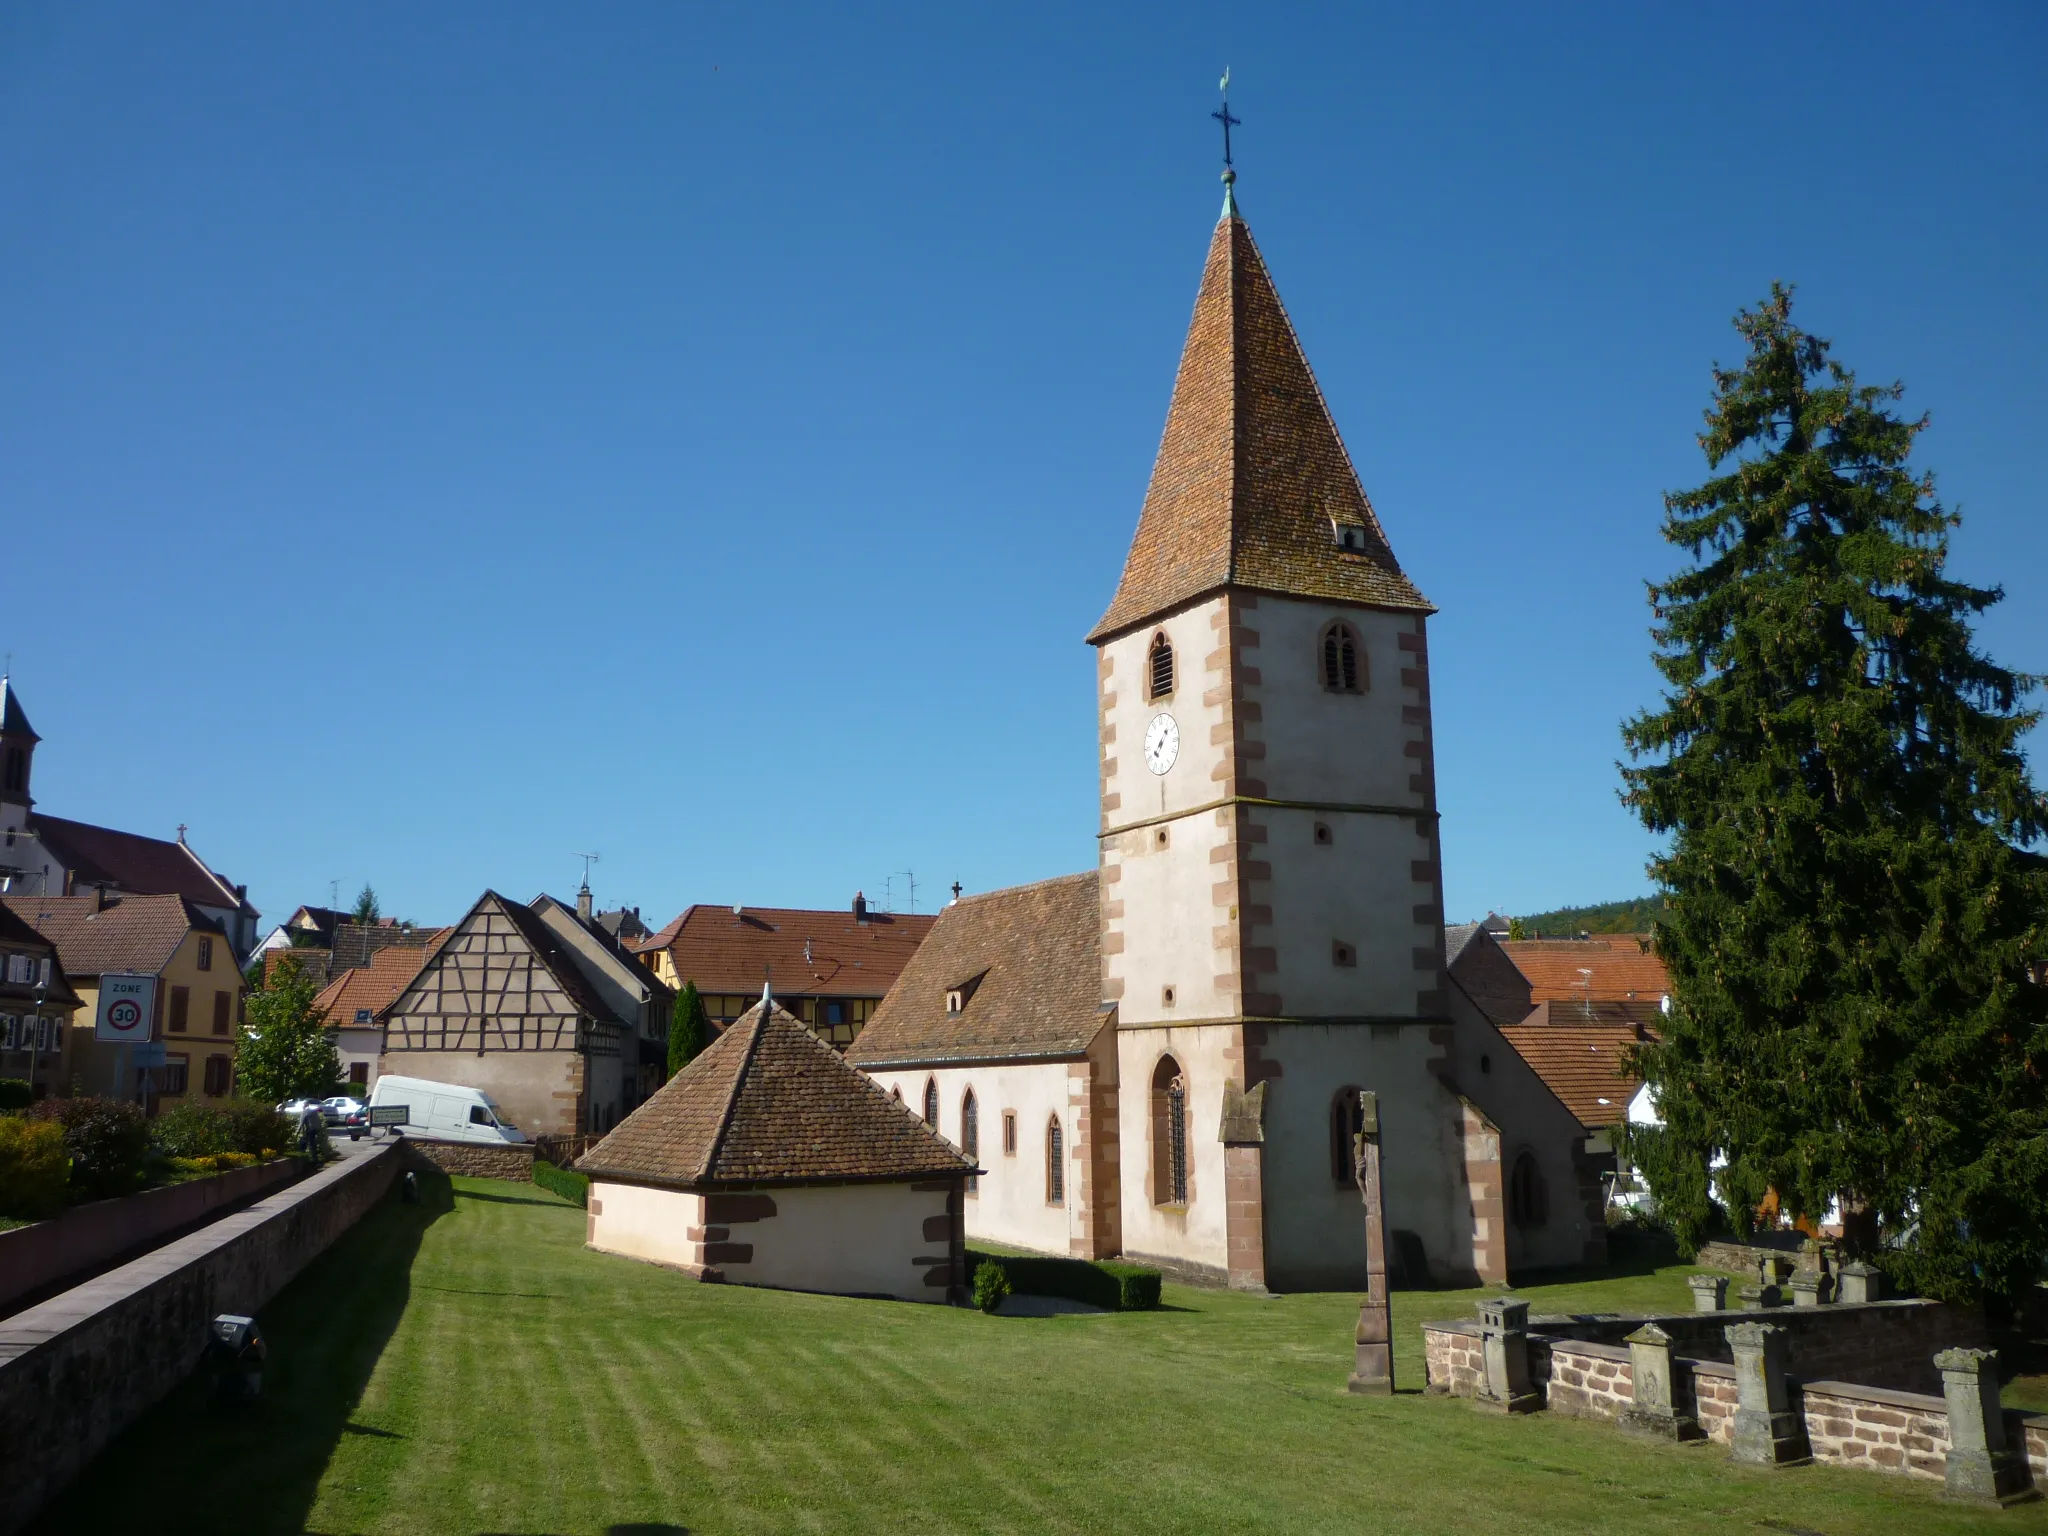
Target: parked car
{"type": "Point", "coordinates": [344, 1113]}
{"type": "Point", "coordinates": [445, 1111]}
{"type": "Point", "coordinates": [294, 1110]}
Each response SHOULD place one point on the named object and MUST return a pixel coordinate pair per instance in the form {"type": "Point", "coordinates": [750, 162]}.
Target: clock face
{"type": "Point", "coordinates": [1162, 743]}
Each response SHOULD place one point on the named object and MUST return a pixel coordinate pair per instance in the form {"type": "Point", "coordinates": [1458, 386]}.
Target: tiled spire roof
{"type": "Point", "coordinates": [1251, 476]}
{"type": "Point", "coordinates": [13, 718]}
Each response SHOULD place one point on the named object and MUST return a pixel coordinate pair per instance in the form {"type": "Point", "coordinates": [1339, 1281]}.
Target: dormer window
{"type": "Point", "coordinates": [1159, 667]}
{"type": "Point", "coordinates": [955, 1001]}
{"type": "Point", "coordinates": [1350, 536]}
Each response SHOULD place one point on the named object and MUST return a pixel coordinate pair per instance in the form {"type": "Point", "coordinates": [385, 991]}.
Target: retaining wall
{"type": "Point", "coordinates": [35, 1257]}
{"type": "Point", "coordinates": [474, 1160]}
{"type": "Point", "coordinates": [78, 1369]}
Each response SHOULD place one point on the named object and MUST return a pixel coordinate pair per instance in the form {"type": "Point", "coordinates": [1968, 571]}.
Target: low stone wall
{"type": "Point", "coordinates": [34, 1258]}
{"type": "Point", "coordinates": [78, 1369]}
{"type": "Point", "coordinates": [1585, 1381]}
{"type": "Point", "coordinates": [473, 1160]}
{"type": "Point", "coordinates": [1743, 1258]}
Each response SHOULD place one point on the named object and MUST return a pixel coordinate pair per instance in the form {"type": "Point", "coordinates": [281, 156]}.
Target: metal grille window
{"type": "Point", "coordinates": [1177, 1142]}
{"type": "Point", "coordinates": [1055, 1163]}
{"type": "Point", "coordinates": [175, 1074]}
{"type": "Point", "coordinates": [1161, 667]}
{"type": "Point", "coordinates": [1342, 657]}
{"type": "Point", "coordinates": [970, 1136]}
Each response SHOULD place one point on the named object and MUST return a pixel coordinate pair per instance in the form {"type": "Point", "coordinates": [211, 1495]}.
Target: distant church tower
{"type": "Point", "coordinates": [1272, 909]}
{"type": "Point", "coordinates": [17, 760]}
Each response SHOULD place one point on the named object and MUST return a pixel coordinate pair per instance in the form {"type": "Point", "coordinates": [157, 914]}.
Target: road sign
{"type": "Point", "coordinates": [127, 1009]}
{"type": "Point", "coordinates": [390, 1114]}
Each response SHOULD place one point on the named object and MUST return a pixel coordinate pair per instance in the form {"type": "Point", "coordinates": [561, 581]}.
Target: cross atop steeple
{"type": "Point", "coordinates": [1229, 171]}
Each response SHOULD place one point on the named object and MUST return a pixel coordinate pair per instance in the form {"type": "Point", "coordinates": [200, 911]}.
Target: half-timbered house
{"type": "Point", "coordinates": [504, 1006]}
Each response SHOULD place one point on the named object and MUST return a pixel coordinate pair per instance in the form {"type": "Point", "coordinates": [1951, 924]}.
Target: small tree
{"type": "Point", "coordinates": [285, 1050]}
{"type": "Point", "coordinates": [689, 1029]}
{"type": "Point", "coordinates": [1516, 933]}
{"type": "Point", "coordinates": [366, 911]}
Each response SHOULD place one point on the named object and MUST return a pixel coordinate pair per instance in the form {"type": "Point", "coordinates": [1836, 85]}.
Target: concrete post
{"type": "Point", "coordinates": [1504, 1339]}
{"type": "Point", "coordinates": [1982, 1468]}
{"type": "Point", "coordinates": [1861, 1282]}
{"type": "Point", "coordinates": [1767, 1431]}
{"type": "Point", "coordinates": [1807, 1288]}
{"type": "Point", "coordinates": [1653, 1377]}
{"type": "Point", "coordinates": [1709, 1293]}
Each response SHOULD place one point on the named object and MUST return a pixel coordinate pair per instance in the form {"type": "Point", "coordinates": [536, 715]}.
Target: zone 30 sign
{"type": "Point", "coordinates": [127, 1009]}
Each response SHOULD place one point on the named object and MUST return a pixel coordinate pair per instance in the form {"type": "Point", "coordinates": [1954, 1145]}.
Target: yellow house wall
{"type": "Point", "coordinates": [198, 1040]}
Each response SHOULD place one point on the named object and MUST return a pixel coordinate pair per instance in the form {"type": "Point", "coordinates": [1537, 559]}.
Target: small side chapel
{"type": "Point", "coordinates": [1161, 1058]}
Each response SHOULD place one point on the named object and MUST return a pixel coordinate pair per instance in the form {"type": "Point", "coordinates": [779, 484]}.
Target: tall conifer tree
{"type": "Point", "coordinates": [689, 1029]}
{"type": "Point", "coordinates": [1853, 909]}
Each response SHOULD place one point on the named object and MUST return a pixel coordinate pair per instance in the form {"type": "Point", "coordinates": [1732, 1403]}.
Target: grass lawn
{"type": "Point", "coordinates": [466, 1366]}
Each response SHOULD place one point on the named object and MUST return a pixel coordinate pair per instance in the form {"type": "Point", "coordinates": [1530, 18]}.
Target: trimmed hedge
{"type": "Point", "coordinates": [35, 1167]}
{"type": "Point", "coordinates": [1113, 1286]}
{"type": "Point", "coordinates": [108, 1139]}
{"type": "Point", "coordinates": [566, 1182]}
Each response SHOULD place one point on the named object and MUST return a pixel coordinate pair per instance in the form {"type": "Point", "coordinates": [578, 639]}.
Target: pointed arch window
{"type": "Point", "coordinates": [1055, 1163]}
{"type": "Point", "coordinates": [1342, 659]}
{"type": "Point", "coordinates": [931, 1102]}
{"type": "Point", "coordinates": [970, 1135]}
{"type": "Point", "coordinates": [1169, 1134]}
{"type": "Point", "coordinates": [1159, 667]}
{"type": "Point", "coordinates": [1528, 1198]}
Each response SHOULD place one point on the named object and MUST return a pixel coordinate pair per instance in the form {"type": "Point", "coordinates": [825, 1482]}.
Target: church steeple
{"type": "Point", "coordinates": [17, 747]}
{"type": "Point", "coordinates": [1252, 487]}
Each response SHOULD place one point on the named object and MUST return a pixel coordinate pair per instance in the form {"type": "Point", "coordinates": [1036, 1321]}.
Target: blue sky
{"type": "Point", "coordinates": [435, 441]}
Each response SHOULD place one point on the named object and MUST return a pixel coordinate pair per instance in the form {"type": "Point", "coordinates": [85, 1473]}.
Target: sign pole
{"type": "Point", "coordinates": [1373, 1373]}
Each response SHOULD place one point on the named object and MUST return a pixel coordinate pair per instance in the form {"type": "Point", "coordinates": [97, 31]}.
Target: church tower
{"type": "Point", "coordinates": [17, 758]}
{"type": "Point", "coordinates": [1272, 914]}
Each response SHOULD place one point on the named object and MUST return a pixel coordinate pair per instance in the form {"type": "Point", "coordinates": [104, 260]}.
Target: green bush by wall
{"type": "Point", "coordinates": [1113, 1286]}
{"type": "Point", "coordinates": [108, 1140]}
{"type": "Point", "coordinates": [15, 1093]}
{"type": "Point", "coordinates": [566, 1182]}
{"type": "Point", "coordinates": [35, 1168]}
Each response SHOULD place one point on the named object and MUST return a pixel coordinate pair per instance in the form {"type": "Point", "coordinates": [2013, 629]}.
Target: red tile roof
{"type": "Point", "coordinates": [128, 933]}
{"type": "Point", "coordinates": [1029, 961]}
{"type": "Point", "coordinates": [127, 861]}
{"type": "Point", "coordinates": [768, 1102]}
{"type": "Point", "coordinates": [19, 934]}
{"type": "Point", "coordinates": [722, 952]}
{"type": "Point", "coordinates": [1251, 473]}
{"type": "Point", "coordinates": [370, 987]}
{"type": "Point", "coordinates": [1611, 968]}
{"type": "Point", "coordinates": [1583, 1065]}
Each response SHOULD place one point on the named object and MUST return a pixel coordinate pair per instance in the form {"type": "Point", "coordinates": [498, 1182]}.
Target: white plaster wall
{"type": "Point", "coordinates": [1169, 921]}
{"type": "Point", "coordinates": [1196, 1235]}
{"type": "Point", "coordinates": [1359, 889]}
{"type": "Point", "coordinates": [644, 1223]}
{"type": "Point", "coordinates": [1009, 1204]}
{"type": "Point", "coordinates": [1315, 1227]}
{"type": "Point", "coordinates": [845, 1238]}
{"type": "Point", "coordinates": [1190, 781]}
{"type": "Point", "coordinates": [1323, 746]}
{"type": "Point", "coordinates": [355, 1044]}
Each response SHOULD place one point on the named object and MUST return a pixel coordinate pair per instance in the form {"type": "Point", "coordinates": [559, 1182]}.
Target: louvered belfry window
{"type": "Point", "coordinates": [1343, 669]}
{"type": "Point", "coordinates": [1161, 659]}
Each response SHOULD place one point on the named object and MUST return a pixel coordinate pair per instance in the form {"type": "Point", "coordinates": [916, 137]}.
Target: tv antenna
{"type": "Point", "coordinates": [889, 889]}
{"type": "Point", "coordinates": [588, 860]}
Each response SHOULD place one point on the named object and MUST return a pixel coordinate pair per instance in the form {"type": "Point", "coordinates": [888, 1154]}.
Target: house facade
{"type": "Point", "coordinates": [503, 1005]}
{"type": "Point", "coordinates": [627, 986]}
{"type": "Point", "coordinates": [198, 1008]}
{"type": "Point", "coordinates": [38, 1008]}
{"type": "Point", "coordinates": [1267, 936]}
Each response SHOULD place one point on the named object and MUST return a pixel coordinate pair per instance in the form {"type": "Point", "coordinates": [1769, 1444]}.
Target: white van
{"type": "Point", "coordinates": [442, 1111]}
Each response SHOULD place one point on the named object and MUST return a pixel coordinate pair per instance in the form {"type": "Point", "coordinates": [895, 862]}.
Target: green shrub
{"type": "Point", "coordinates": [192, 1131]}
{"type": "Point", "coordinates": [108, 1141]}
{"type": "Point", "coordinates": [566, 1182]}
{"type": "Point", "coordinates": [991, 1285]}
{"type": "Point", "coordinates": [255, 1128]}
{"type": "Point", "coordinates": [15, 1094]}
{"type": "Point", "coordinates": [35, 1167]}
{"type": "Point", "coordinates": [1110, 1285]}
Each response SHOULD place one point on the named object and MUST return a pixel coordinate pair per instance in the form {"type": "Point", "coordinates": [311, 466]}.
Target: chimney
{"type": "Point", "coordinates": [860, 907]}
{"type": "Point", "coordinates": [583, 902]}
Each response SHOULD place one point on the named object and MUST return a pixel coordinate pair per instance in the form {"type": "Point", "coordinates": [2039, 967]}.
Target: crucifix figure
{"type": "Point", "coordinates": [1374, 1371]}
{"type": "Point", "coordinates": [1226, 119]}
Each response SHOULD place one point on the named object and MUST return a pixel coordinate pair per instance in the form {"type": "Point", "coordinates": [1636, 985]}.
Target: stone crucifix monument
{"type": "Point", "coordinates": [1374, 1371]}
